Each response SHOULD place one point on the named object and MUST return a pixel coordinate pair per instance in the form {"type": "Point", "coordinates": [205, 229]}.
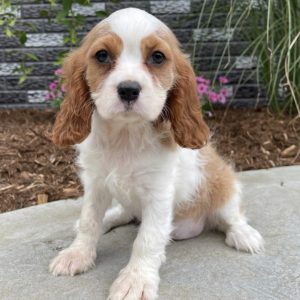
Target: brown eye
{"type": "Point", "coordinates": [157, 58]}
{"type": "Point", "coordinates": [103, 57]}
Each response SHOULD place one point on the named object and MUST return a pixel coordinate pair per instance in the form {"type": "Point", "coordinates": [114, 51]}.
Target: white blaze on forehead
{"type": "Point", "coordinates": [132, 24]}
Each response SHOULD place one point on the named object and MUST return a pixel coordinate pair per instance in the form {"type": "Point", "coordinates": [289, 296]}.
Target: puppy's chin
{"type": "Point", "coordinates": [123, 115]}
{"type": "Point", "coordinates": [129, 116]}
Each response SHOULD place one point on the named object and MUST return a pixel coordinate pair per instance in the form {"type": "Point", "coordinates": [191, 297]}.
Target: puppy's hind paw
{"type": "Point", "coordinates": [245, 238]}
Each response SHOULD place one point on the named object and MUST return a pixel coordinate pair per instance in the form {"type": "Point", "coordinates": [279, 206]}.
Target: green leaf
{"type": "Point", "coordinates": [67, 5]}
{"type": "Point", "coordinates": [44, 13]}
{"type": "Point", "coordinates": [66, 39]}
{"type": "Point", "coordinates": [60, 57]}
{"type": "Point", "coordinates": [22, 37]}
{"type": "Point", "coordinates": [101, 14]}
{"type": "Point", "coordinates": [8, 32]}
{"type": "Point", "coordinates": [83, 2]}
{"type": "Point", "coordinates": [30, 25]}
{"type": "Point", "coordinates": [73, 39]}
{"type": "Point", "coordinates": [11, 22]}
{"type": "Point", "coordinates": [60, 16]}
{"type": "Point", "coordinates": [32, 56]}
{"type": "Point", "coordinates": [52, 2]}
{"type": "Point", "coordinates": [22, 78]}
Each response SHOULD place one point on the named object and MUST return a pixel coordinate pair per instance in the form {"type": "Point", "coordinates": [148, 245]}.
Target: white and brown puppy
{"type": "Point", "coordinates": [132, 109]}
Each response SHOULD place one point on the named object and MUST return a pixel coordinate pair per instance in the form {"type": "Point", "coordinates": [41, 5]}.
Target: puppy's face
{"type": "Point", "coordinates": [129, 82]}
{"type": "Point", "coordinates": [130, 68]}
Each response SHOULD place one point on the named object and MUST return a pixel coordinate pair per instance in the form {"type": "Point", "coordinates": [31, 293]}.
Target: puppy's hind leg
{"type": "Point", "coordinates": [239, 234]}
{"type": "Point", "coordinates": [116, 216]}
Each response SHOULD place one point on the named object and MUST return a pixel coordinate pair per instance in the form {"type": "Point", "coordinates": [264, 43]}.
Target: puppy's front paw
{"type": "Point", "coordinates": [134, 283]}
{"type": "Point", "coordinates": [72, 260]}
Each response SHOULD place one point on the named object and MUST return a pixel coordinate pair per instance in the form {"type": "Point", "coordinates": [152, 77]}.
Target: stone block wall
{"type": "Point", "coordinates": [181, 15]}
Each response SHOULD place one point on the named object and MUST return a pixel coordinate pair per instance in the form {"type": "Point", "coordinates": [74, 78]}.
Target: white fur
{"type": "Point", "coordinates": [124, 159]}
{"type": "Point", "coordinates": [116, 216]}
{"type": "Point", "coordinates": [188, 228]}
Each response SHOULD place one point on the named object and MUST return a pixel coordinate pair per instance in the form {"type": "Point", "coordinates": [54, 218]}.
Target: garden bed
{"type": "Point", "coordinates": [33, 170]}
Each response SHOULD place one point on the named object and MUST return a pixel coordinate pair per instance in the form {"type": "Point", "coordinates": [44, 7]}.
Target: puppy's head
{"type": "Point", "coordinates": [129, 68]}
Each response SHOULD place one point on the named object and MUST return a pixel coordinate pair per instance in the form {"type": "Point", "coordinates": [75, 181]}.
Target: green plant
{"type": "Point", "coordinates": [275, 36]}
{"type": "Point", "coordinates": [8, 20]}
{"type": "Point", "coordinates": [272, 28]}
{"type": "Point", "coordinates": [64, 15]}
{"type": "Point", "coordinates": [236, 12]}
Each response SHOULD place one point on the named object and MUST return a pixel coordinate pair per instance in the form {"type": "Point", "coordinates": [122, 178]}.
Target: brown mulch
{"type": "Point", "coordinates": [33, 170]}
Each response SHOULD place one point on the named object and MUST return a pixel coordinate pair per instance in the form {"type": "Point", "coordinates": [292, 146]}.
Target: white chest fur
{"type": "Point", "coordinates": [131, 163]}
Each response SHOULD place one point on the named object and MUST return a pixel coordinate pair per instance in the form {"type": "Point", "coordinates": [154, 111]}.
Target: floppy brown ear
{"type": "Point", "coordinates": [73, 121]}
{"type": "Point", "coordinates": [190, 131]}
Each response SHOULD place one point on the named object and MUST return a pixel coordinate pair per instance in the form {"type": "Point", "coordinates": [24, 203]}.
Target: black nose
{"type": "Point", "coordinates": [129, 91]}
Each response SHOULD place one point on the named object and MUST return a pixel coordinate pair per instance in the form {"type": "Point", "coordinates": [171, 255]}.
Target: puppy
{"type": "Point", "coordinates": [131, 108]}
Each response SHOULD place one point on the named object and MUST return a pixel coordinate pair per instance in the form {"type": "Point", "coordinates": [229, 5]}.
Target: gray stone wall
{"type": "Point", "coordinates": [182, 16]}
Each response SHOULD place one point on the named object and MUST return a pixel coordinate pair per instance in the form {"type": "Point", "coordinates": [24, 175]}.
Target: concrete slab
{"type": "Point", "coordinates": [202, 268]}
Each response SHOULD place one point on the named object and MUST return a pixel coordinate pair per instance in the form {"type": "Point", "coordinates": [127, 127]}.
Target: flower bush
{"type": "Point", "coordinates": [211, 93]}
{"type": "Point", "coordinates": [56, 90]}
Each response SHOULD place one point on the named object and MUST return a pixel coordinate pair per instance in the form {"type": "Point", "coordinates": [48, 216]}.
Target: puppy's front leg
{"type": "Point", "coordinates": [81, 254]}
{"type": "Point", "coordinates": [140, 278]}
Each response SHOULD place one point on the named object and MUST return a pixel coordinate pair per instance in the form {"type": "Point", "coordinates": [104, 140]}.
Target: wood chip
{"type": "Point", "coordinates": [289, 151]}
{"type": "Point", "coordinates": [42, 198]}
{"type": "Point", "coordinates": [39, 163]}
{"type": "Point", "coordinates": [6, 187]}
{"type": "Point", "coordinates": [263, 150]}
{"type": "Point", "coordinates": [68, 192]}
{"type": "Point", "coordinates": [52, 158]}
{"type": "Point", "coordinates": [272, 163]}
{"type": "Point", "coordinates": [26, 175]}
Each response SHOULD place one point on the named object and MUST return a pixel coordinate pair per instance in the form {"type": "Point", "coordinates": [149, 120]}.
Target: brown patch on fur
{"type": "Point", "coordinates": [73, 121]}
{"type": "Point", "coordinates": [96, 72]}
{"type": "Point", "coordinates": [164, 129]}
{"type": "Point", "coordinates": [163, 73]}
{"type": "Point", "coordinates": [216, 188]}
{"type": "Point", "coordinates": [183, 103]}
{"type": "Point", "coordinates": [182, 106]}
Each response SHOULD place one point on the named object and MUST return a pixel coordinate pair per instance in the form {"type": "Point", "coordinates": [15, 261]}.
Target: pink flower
{"type": "Point", "coordinates": [63, 88]}
{"type": "Point", "coordinates": [213, 96]}
{"type": "Point", "coordinates": [47, 97]}
{"type": "Point", "coordinates": [201, 79]}
{"type": "Point", "coordinates": [58, 72]}
{"type": "Point", "coordinates": [224, 92]}
{"type": "Point", "coordinates": [58, 94]}
{"type": "Point", "coordinates": [223, 80]}
{"type": "Point", "coordinates": [53, 85]}
{"type": "Point", "coordinates": [222, 98]}
{"type": "Point", "coordinates": [202, 89]}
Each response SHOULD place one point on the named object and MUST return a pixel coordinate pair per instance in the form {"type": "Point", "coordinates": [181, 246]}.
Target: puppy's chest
{"type": "Point", "coordinates": [127, 176]}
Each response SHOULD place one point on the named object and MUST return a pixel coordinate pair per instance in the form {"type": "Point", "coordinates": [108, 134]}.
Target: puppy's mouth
{"type": "Point", "coordinates": [129, 107]}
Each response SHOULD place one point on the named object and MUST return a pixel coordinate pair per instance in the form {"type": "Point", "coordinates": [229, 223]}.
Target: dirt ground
{"type": "Point", "coordinates": [34, 171]}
